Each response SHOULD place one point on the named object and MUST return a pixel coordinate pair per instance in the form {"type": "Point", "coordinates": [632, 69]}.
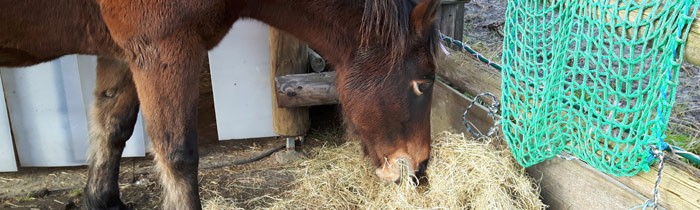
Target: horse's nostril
{"type": "Point", "coordinates": [421, 176]}
{"type": "Point", "coordinates": [422, 166]}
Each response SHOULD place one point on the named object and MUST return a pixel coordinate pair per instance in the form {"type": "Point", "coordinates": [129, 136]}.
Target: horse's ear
{"type": "Point", "coordinates": [424, 14]}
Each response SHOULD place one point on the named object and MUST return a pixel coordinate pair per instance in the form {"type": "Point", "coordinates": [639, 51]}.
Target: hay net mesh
{"type": "Point", "coordinates": [593, 78]}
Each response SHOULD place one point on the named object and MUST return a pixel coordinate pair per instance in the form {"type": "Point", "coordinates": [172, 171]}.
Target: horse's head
{"type": "Point", "coordinates": [386, 91]}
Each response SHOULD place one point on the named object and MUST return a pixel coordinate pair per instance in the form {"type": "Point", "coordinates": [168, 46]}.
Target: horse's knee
{"type": "Point", "coordinates": [114, 110]}
{"type": "Point", "coordinates": [183, 158]}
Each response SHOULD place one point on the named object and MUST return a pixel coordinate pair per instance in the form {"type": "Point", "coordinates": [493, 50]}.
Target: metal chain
{"type": "Point", "coordinates": [660, 155]}
{"type": "Point", "coordinates": [492, 110]}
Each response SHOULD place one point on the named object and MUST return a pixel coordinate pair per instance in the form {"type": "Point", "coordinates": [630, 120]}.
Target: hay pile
{"type": "Point", "coordinates": [463, 174]}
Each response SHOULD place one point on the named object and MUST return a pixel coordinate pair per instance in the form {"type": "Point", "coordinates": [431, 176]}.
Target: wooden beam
{"type": "Point", "coordinates": [287, 56]}
{"type": "Point", "coordinates": [569, 184]}
{"type": "Point", "coordinates": [447, 107]}
{"type": "Point", "coordinates": [300, 90]}
{"type": "Point", "coordinates": [468, 74]}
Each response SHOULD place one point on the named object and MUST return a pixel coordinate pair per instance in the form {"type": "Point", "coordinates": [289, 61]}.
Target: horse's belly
{"type": "Point", "coordinates": [10, 57]}
{"type": "Point", "coordinates": [35, 31]}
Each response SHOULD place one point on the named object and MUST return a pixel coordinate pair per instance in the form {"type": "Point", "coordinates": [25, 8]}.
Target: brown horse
{"type": "Point", "coordinates": [150, 52]}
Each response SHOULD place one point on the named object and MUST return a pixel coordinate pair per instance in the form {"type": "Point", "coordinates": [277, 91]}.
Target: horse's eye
{"type": "Point", "coordinates": [420, 86]}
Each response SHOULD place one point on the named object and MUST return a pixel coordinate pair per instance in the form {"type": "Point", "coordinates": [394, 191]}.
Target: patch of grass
{"type": "Point", "coordinates": [681, 107]}
{"type": "Point", "coordinates": [469, 96]}
{"type": "Point", "coordinates": [686, 142]}
{"type": "Point", "coordinates": [26, 198]}
{"type": "Point", "coordinates": [76, 192]}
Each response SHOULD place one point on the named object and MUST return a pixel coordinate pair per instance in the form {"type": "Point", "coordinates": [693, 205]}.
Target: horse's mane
{"type": "Point", "coordinates": [388, 23]}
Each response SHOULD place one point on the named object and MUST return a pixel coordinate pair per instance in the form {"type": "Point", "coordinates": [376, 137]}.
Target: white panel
{"type": "Point", "coordinates": [240, 71]}
{"type": "Point", "coordinates": [47, 113]}
{"type": "Point", "coordinates": [7, 151]}
{"type": "Point", "coordinates": [48, 105]}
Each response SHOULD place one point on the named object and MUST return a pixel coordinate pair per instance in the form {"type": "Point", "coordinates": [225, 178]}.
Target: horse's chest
{"type": "Point", "coordinates": [128, 19]}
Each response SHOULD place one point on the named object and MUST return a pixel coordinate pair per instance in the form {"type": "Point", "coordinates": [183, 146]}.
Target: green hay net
{"type": "Point", "coordinates": [596, 79]}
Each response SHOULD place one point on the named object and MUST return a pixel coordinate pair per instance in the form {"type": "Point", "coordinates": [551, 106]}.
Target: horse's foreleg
{"type": "Point", "coordinates": [166, 73]}
{"type": "Point", "coordinates": [113, 115]}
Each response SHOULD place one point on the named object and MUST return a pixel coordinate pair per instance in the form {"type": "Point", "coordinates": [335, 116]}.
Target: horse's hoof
{"type": "Point", "coordinates": [118, 205]}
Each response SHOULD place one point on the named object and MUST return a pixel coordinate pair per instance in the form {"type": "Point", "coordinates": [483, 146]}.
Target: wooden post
{"type": "Point", "coordinates": [287, 56]}
{"type": "Point", "coordinates": [451, 18]}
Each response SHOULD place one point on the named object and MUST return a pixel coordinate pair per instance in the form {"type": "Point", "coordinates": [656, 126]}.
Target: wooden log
{"type": "Point", "coordinates": [316, 62]}
{"type": "Point", "coordinates": [300, 90]}
{"type": "Point", "coordinates": [574, 184]}
{"type": "Point", "coordinates": [287, 56]}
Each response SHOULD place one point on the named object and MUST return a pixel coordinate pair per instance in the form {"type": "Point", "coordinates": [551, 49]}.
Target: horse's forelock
{"type": "Point", "coordinates": [386, 23]}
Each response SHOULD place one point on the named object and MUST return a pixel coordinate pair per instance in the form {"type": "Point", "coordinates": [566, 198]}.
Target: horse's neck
{"type": "Point", "coordinates": [328, 26]}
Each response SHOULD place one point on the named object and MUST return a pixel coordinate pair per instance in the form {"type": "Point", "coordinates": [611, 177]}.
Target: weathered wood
{"type": "Point", "coordinates": [451, 20]}
{"type": "Point", "coordinates": [692, 46]}
{"type": "Point", "coordinates": [575, 185]}
{"type": "Point", "coordinates": [680, 186]}
{"type": "Point", "coordinates": [316, 62]}
{"type": "Point", "coordinates": [447, 108]}
{"type": "Point", "coordinates": [300, 90]}
{"type": "Point", "coordinates": [468, 74]}
{"type": "Point", "coordinates": [287, 56]}
{"type": "Point", "coordinates": [459, 22]}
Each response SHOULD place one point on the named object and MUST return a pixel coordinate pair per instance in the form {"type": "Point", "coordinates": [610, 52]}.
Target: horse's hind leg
{"type": "Point", "coordinates": [113, 115]}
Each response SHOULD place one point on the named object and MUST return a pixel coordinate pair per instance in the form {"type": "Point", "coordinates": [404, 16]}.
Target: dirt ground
{"type": "Point", "coordinates": [248, 186]}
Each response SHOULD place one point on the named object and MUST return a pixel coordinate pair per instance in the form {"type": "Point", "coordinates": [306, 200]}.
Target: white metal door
{"type": "Point", "coordinates": [7, 152]}
{"type": "Point", "coordinates": [48, 106]}
{"type": "Point", "coordinates": [240, 71]}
